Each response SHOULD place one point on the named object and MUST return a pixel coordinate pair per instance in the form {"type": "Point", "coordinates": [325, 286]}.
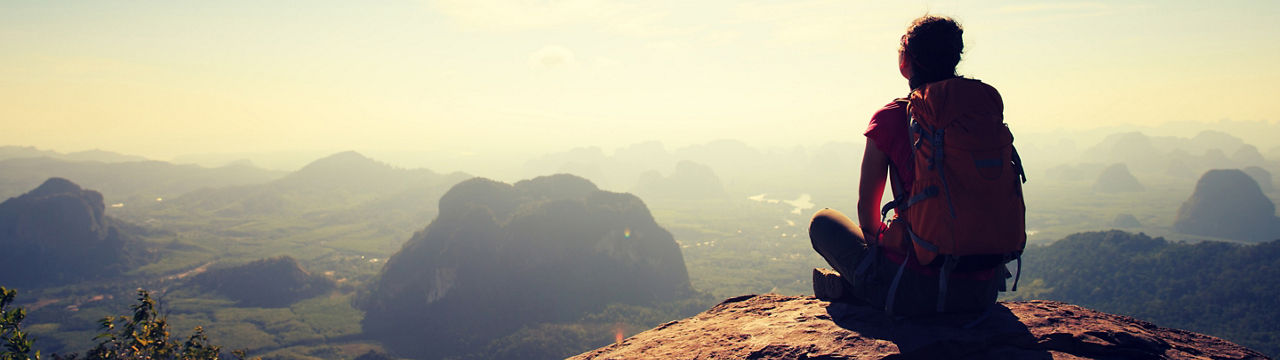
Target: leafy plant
{"type": "Point", "coordinates": [145, 335]}
{"type": "Point", "coordinates": [17, 343]}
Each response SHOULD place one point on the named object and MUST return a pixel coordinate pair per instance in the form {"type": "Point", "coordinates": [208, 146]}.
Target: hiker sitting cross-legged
{"type": "Point", "coordinates": [957, 216]}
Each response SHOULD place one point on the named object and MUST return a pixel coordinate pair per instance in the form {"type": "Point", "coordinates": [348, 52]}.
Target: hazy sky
{"type": "Point", "coordinates": [165, 78]}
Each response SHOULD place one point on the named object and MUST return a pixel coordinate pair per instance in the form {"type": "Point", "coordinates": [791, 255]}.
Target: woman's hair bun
{"type": "Point", "coordinates": [934, 44]}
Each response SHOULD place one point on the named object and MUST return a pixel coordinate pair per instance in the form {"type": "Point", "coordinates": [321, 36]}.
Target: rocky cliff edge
{"type": "Point", "coordinates": [800, 327]}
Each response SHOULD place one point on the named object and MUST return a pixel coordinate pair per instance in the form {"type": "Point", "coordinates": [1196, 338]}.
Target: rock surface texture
{"type": "Point", "coordinates": [799, 327]}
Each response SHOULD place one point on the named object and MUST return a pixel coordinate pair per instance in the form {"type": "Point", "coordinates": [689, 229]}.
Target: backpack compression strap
{"type": "Point", "coordinates": [899, 194]}
{"type": "Point", "coordinates": [948, 264]}
{"type": "Point", "coordinates": [893, 286]}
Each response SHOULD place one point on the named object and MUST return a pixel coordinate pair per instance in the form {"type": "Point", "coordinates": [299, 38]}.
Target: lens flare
{"type": "Point", "coordinates": [626, 233]}
{"type": "Point", "coordinates": [617, 333]}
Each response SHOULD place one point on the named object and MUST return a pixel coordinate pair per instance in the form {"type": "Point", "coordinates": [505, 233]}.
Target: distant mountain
{"type": "Point", "coordinates": [719, 152]}
{"type": "Point", "coordinates": [103, 156]}
{"type": "Point", "coordinates": [58, 234]}
{"type": "Point", "coordinates": [1117, 179]}
{"type": "Point", "coordinates": [838, 159]}
{"type": "Point", "coordinates": [272, 160]}
{"type": "Point", "coordinates": [616, 171]}
{"type": "Point", "coordinates": [646, 155]}
{"type": "Point", "coordinates": [1228, 204]}
{"type": "Point", "coordinates": [1130, 148]}
{"type": "Point", "coordinates": [1212, 139]}
{"type": "Point", "coordinates": [1083, 172]}
{"type": "Point", "coordinates": [343, 204]}
{"type": "Point", "coordinates": [1136, 145]}
{"type": "Point", "coordinates": [499, 257]}
{"type": "Point", "coordinates": [741, 168]}
{"type": "Point", "coordinates": [1217, 288]}
{"type": "Point", "coordinates": [19, 152]}
{"type": "Point", "coordinates": [1182, 165]}
{"type": "Point", "coordinates": [1262, 176]}
{"type": "Point", "coordinates": [587, 162]}
{"type": "Point", "coordinates": [1247, 155]}
{"type": "Point", "coordinates": [690, 180]}
{"type": "Point", "coordinates": [353, 171]}
{"type": "Point", "coordinates": [1126, 221]}
{"type": "Point", "coordinates": [337, 182]}
{"type": "Point", "coordinates": [137, 180]}
{"type": "Point", "coordinates": [1179, 157]}
{"type": "Point", "coordinates": [273, 282]}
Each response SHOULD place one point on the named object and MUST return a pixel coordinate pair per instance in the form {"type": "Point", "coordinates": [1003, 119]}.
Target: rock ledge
{"type": "Point", "coordinates": [774, 326]}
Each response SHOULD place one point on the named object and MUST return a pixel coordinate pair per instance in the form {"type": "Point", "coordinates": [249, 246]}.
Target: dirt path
{"type": "Point", "coordinates": [199, 269]}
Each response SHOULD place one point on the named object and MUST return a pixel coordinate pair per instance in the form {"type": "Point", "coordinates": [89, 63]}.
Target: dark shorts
{"type": "Point", "coordinates": [843, 245]}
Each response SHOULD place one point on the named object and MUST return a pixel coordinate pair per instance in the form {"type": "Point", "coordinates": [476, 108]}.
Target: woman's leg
{"type": "Point", "coordinates": [838, 240]}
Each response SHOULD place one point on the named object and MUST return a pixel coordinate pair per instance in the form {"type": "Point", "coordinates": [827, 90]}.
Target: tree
{"type": "Point", "coordinates": [17, 344]}
{"type": "Point", "coordinates": [145, 335]}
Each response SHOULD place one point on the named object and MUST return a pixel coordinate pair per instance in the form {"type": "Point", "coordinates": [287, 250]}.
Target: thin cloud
{"type": "Point", "coordinates": [1055, 7]}
{"type": "Point", "coordinates": [820, 21]}
{"type": "Point", "coordinates": [552, 57]}
{"type": "Point", "coordinates": [627, 18]}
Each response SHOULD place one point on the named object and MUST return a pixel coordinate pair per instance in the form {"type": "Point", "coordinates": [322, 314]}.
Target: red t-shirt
{"type": "Point", "coordinates": [888, 130]}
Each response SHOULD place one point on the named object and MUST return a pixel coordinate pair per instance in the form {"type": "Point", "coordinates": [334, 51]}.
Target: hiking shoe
{"type": "Point", "coordinates": [828, 285]}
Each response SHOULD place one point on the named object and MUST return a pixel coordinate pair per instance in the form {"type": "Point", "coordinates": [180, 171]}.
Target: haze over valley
{"type": "Point", "coordinates": [493, 179]}
{"type": "Point", "coordinates": [331, 231]}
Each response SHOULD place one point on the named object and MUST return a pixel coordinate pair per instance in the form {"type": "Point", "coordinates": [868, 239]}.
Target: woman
{"type": "Point", "coordinates": [929, 53]}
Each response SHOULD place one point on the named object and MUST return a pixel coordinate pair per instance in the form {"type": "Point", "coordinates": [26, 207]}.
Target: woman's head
{"type": "Point", "coordinates": [930, 50]}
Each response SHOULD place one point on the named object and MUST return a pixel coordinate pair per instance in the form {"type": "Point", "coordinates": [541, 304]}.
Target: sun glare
{"type": "Point", "coordinates": [617, 333]}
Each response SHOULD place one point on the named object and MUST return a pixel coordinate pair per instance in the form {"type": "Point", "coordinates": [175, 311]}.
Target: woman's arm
{"type": "Point", "coordinates": [875, 169]}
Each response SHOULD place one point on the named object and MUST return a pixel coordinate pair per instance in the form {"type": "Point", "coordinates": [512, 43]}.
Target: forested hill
{"type": "Point", "coordinates": [1218, 288]}
{"type": "Point", "coordinates": [502, 257]}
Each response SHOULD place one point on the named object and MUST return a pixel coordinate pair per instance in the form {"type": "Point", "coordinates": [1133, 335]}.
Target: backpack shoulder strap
{"type": "Point", "coordinates": [900, 195]}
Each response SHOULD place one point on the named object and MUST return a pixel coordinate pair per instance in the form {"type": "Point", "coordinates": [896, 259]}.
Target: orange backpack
{"type": "Point", "coordinates": [964, 210]}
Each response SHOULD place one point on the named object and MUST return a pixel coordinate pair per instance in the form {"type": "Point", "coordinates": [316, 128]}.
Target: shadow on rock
{"type": "Point", "coordinates": [998, 333]}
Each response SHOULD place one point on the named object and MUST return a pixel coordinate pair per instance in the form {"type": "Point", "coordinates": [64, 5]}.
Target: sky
{"type": "Point", "coordinates": [167, 78]}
